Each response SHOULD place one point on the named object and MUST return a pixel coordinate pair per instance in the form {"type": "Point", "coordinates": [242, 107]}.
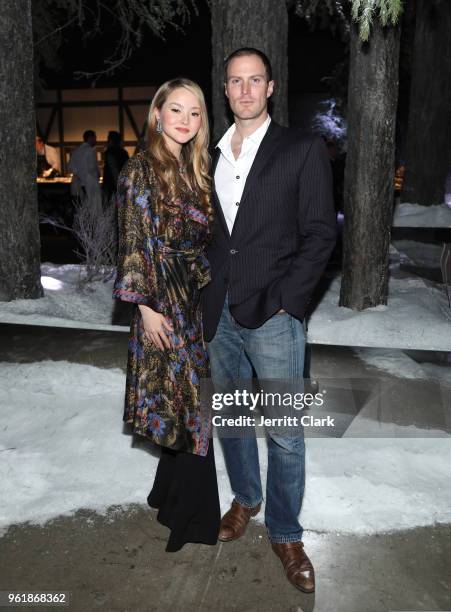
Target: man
{"type": "Point", "coordinates": [115, 158]}
{"type": "Point", "coordinates": [48, 159]}
{"type": "Point", "coordinates": [83, 165]}
{"type": "Point", "coordinates": [275, 230]}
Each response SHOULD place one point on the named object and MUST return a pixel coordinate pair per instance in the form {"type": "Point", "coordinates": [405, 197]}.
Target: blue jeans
{"type": "Point", "coordinates": [275, 351]}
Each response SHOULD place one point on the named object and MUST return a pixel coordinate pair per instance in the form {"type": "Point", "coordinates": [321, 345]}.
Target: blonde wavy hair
{"type": "Point", "coordinates": [194, 155]}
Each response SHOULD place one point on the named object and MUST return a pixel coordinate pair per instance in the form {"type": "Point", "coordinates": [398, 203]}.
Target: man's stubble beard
{"type": "Point", "coordinates": [251, 115]}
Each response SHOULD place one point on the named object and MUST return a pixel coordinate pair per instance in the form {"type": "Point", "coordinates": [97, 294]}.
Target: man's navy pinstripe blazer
{"type": "Point", "coordinates": [283, 235]}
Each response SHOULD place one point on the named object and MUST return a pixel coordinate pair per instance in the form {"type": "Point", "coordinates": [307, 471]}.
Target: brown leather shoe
{"type": "Point", "coordinates": [234, 522]}
{"type": "Point", "coordinates": [297, 565]}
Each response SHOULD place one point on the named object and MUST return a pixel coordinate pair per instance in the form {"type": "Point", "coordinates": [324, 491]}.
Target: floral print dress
{"type": "Point", "coordinates": [161, 264]}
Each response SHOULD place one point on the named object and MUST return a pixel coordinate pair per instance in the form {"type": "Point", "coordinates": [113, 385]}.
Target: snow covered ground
{"type": "Point", "coordinates": [417, 315]}
{"type": "Point", "coordinates": [64, 305]}
{"type": "Point", "coordinates": [414, 215]}
{"type": "Point", "coordinates": [394, 362]}
{"type": "Point", "coordinates": [63, 448]}
{"type": "Point", "coordinates": [422, 254]}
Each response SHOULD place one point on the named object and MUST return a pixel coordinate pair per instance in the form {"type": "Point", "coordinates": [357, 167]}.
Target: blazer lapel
{"type": "Point", "coordinates": [265, 150]}
{"type": "Point", "coordinates": [217, 204]}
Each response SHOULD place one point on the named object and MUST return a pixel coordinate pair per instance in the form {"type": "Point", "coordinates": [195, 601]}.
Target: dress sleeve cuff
{"type": "Point", "coordinates": [136, 298]}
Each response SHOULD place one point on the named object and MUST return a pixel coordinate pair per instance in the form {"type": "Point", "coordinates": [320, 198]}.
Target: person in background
{"type": "Point", "coordinates": [115, 158]}
{"type": "Point", "coordinates": [83, 165]}
{"type": "Point", "coordinates": [47, 159]}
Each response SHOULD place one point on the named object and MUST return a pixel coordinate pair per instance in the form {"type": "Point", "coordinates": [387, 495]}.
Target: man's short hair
{"type": "Point", "coordinates": [249, 51]}
{"type": "Point", "coordinates": [88, 134]}
{"type": "Point", "coordinates": [114, 137]}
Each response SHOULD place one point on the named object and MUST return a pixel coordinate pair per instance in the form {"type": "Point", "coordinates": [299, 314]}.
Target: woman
{"type": "Point", "coordinates": [164, 224]}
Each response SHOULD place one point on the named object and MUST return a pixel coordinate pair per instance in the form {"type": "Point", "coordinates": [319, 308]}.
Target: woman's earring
{"type": "Point", "coordinates": [159, 128]}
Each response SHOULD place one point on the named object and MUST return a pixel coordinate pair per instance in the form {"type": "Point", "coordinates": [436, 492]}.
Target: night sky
{"type": "Point", "coordinates": [312, 56]}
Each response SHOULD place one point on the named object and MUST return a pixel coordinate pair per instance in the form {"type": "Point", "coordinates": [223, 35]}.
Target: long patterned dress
{"type": "Point", "coordinates": [161, 264]}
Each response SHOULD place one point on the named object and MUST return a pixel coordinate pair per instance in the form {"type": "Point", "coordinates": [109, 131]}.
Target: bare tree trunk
{"type": "Point", "coordinates": [372, 100]}
{"type": "Point", "coordinates": [262, 24]}
{"type": "Point", "coordinates": [19, 225]}
{"type": "Point", "coordinates": [428, 148]}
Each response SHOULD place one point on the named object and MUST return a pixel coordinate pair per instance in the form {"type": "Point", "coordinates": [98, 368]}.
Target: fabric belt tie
{"type": "Point", "coordinates": [197, 264]}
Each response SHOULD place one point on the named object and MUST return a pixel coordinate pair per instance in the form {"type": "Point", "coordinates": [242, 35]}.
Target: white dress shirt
{"type": "Point", "coordinates": [231, 173]}
{"type": "Point", "coordinates": [53, 157]}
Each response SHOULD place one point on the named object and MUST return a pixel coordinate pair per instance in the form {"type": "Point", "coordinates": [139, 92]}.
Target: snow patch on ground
{"type": "Point", "coordinates": [401, 365]}
{"type": "Point", "coordinates": [65, 304]}
{"type": "Point", "coordinates": [417, 315]}
{"type": "Point", "coordinates": [63, 448]}
{"type": "Point", "coordinates": [421, 254]}
{"type": "Point", "coordinates": [415, 215]}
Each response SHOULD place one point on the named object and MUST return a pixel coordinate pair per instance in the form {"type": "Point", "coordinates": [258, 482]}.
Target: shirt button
{"type": "Point", "coordinates": [237, 203]}
{"type": "Point", "coordinates": [237, 177]}
{"type": "Point", "coordinates": [233, 251]}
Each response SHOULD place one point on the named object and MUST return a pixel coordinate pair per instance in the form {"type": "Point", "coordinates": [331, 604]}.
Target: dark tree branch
{"type": "Point", "coordinates": [132, 18]}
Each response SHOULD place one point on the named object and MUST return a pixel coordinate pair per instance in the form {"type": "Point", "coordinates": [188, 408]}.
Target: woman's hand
{"type": "Point", "coordinates": [156, 327]}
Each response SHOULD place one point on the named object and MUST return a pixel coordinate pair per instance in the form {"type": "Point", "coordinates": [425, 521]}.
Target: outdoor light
{"type": "Point", "coordinates": [48, 282]}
